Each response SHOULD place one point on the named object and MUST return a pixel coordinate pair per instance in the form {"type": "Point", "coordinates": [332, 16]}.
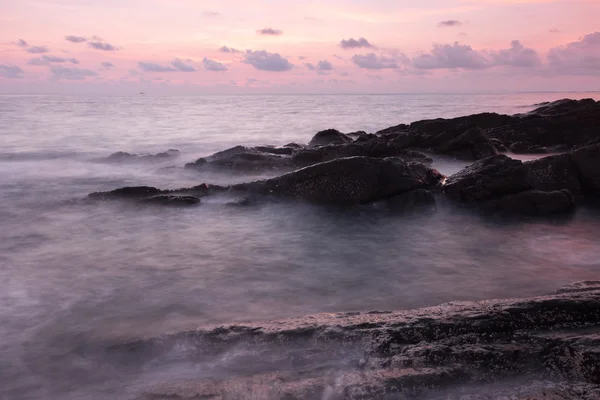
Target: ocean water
{"type": "Point", "coordinates": [72, 275]}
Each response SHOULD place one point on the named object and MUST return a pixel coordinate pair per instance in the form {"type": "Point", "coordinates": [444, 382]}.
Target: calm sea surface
{"type": "Point", "coordinates": [71, 274]}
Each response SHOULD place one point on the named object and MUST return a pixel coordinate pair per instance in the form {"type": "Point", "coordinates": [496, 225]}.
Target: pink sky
{"type": "Point", "coordinates": [310, 46]}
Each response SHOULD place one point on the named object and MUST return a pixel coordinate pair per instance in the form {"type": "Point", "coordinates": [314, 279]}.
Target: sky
{"type": "Point", "coordinates": [309, 46]}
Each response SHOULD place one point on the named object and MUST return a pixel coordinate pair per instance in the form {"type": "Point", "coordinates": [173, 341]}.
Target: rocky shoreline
{"type": "Point", "coordinates": [545, 347]}
{"type": "Point", "coordinates": [392, 166]}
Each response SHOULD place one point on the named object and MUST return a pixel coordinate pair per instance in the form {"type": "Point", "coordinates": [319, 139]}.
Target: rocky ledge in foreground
{"type": "Point", "coordinates": [554, 127]}
{"type": "Point", "coordinates": [519, 345]}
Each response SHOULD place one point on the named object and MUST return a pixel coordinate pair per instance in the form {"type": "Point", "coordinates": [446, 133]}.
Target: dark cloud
{"type": "Point", "coordinates": [182, 67]}
{"type": "Point", "coordinates": [21, 43]}
{"type": "Point", "coordinates": [578, 58]}
{"type": "Point", "coordinates": [448, 23]}
{"type": "Point", "coordinates": [310, 66]}
{"type": "Point", "coordinates": [107, 65]}
{"type": "Point", "coordinates": [372, 61]}
{"type": "Point", "coordinates": [72, 74]}
{"type": "Point", "coordinates": [270, 31]}
{"type": "Point", "coordinates": [37, 49]}
{"type": "Point", "coordinates": [324, 65]}
{"type": "Point", "coordinates": [210, 14]}
{"type": "Point", "coordinates": [517, 56]}
{"type": "Point", "coordinates": [266, 61]}
{"type": "Point", "coordinates": [104, 46]}
{"type": "Point", "coordinates": [344, 74]}
{"type": "Point", "coordinates": [446, 56]}
{"type": "Point", "coordinates": [226, 49]}
{"type": "Point", "coordinates": [75, 39]}
{"type": "Point", "coordinates": [46, 60]}
{"type": "Point", "coordinates": [153, 67]}
{"type": "Point", "coordinates": [356, 44]}
{"type": "Point", "coordinates": [212, 65]}
{"type": "Point", "coordinates": [11, 71]}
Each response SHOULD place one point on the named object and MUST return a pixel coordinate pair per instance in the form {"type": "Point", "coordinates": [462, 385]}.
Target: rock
{"type": "Point", "coordinates": [488, 179]}
{"type": "Point", "coordinates": [472, 144]}
{"type": "Point", "coordinates": [544, 347]}
{"type": "Point", "coordinates": [554, 173]}
{"type": "Point", "coordinates": [131, 193]}
{"type": "Point", "coordinates": [526, 148]}
{"type": "Point", "coordinates": [329, 136]}
{"type": "Point", "coordinates": [122, 156]}
{"type": "Point", "coordinates": [285, 150]}
{"type": "Point", "coordinates": [535, 202]}
{"type": "Point", "coordinates": [353, 180]}
{"type": "Point", "coordinates": [246, 159]}
{"type": "Point", "coordinates": [587, 162]}
{"type": "Point", "coordinates": [171, 200]}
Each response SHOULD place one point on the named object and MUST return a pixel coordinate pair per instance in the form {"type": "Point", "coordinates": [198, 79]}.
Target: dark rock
{"type": "Point", "coordinates": [472, 144]}
{"type": "Point", "coordinates": [132, 193]}
{"type": "Point", "coordinates": [171, 200]}
{"type": "Point", "coordinates": [488, 179]}
{"type": "Point", "coordinates": [587, 162]}
{"type": "Point", "coordinates": [366, 137]}
{"type": "Point", "coordinates": [483, 121]}
{"type": "Point", "coordinates": [526, 148]}
{"type": "Point", "coordinates": [122, 156]}
{"type": "Point", "coordinates": [329, 136]}
{"type": "Point", "coordinates": [554, 173]}
{"type": "Point", "coordinates": [275, 150]}
{"type": "Point", "coordinates": [535, 202]}
{"type": "Point", "coordinates": [535, 348]}
{"type": "Point", "coordinates": [295, 146]}
{"type": "Point", "coordinates": [353, 180]}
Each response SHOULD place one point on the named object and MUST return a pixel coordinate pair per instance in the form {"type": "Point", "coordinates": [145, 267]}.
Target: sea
{"type": "Point", "coordinates": [73, 274]}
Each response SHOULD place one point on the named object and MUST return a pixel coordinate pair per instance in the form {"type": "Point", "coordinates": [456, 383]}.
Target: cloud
{"type": "Point", "coordinates": [11, 71]}
{"type": "Point", "coordinates": [46, 60]}
{"type": "Point", "coordinates": [210, 14]}
{"type": "Point", "coordinates": [578, 58]}
{"type": "Point", "coordinates": [372, 61]}
{"type": "Point", "coordinates": [516, 56]}
{"type": "Point", "coordinates": [182, 67]}
{"type": "Point", "coordinates": [554, 30]}
{"type": "Point", "coordinates": [37, 49]}
{"type": "Point", "coordinates": [265, 61]}
{"type": "Point", "coordinates": [75, 39]}
{"type": "Point", "coordinates": [356, 44]}
{"type": "Point", "coordinates": [104, 46]}
{"type": "Point", "coordinates": [375, 77]}
{"type": "Point", "coordinates": [449, 23]}
{"type": "Point", "coordinates": [21, 43]}
{"type": "Point", "coordinates": [72, 74]}
{"type": "Point", "coordinates": [310, 66]}
{"type": "Point", "coordinates": [324, 65]}
{"type": "Point", "coordinates": [446, 56]}
{"type": "Point", "coordinates": [107, 65]}
{"type": "Point", "coordinates": [226, 49]}
{"type": "Point", "coordinates": [153, 67]}
{"type": "Point", "coordinates": [270, 32]}
{"type": "Point", "coordinates": [212, 65]}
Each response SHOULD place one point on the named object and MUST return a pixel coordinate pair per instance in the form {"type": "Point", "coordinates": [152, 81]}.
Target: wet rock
{"type": "Point", "coordinates": [554, 173]}
{"type": "Point", "coordinates": [327, 137]}
{"type": "Point", "coordinates": [472, 144]}
{"type": "Point", "coordinates": [131, 193]}
{"type": "Point", "coordinates": [587, 162]}
{"type": "Point", "coordinates": [171, 200]}
{"type": "Point", "coordinates": [536, 348]}
{"type": "Point", "coordinates": [248, 159]}
{"type": "Point", "coordinates": [526, 148]}
{"type": "Point", "coordinates": [285, 150]}
{"type": "Point", "coordinates": [353, 180]}
{"type": "Point", "coordinates": [122, 156]}
{"type": "Point", "coordinates": [535, 202]}
{"type": "Point", "coordinates": [488, 179]}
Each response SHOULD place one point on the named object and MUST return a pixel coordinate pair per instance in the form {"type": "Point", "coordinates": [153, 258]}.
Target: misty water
{"type": "Point", "coordinates": [74, 275]}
